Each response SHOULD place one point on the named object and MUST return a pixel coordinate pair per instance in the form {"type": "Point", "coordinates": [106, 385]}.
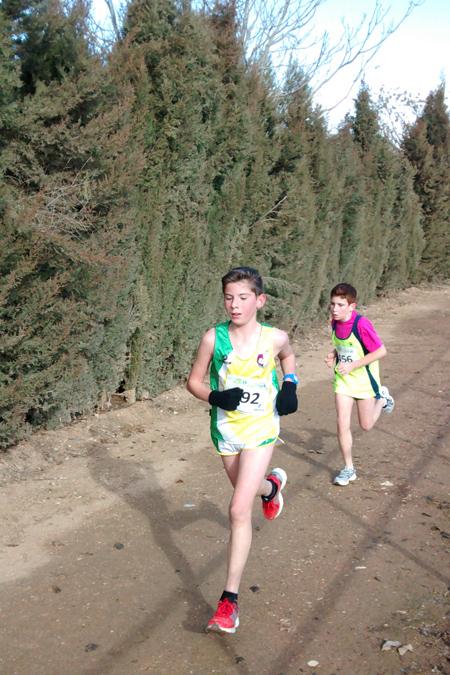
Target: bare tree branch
{"type": "Point", "coordinates": [274, 210]}
{"type": "Point", "coordinates": [279, 32]}
{"type": "Point", "coordinates": [65, 207]}
{"type": "Point", "coordinates": [106, 31]}
{"type": "Point", "coordinates": [113, 16]}
{"type": "Point", "coordinates": [397, 110]}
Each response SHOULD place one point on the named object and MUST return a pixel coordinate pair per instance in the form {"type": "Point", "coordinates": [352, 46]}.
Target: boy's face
{"type": "Point", "coordinates": [340, 308]}
{"type": "Point", "coordinates": [241, 303]}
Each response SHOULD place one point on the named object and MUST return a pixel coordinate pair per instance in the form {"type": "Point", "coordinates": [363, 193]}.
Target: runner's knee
{"type": "Point", "coordinates": [366, 425]}
{"type": "Point", "coordinates": [343, 424]}
{"type": "Point", "coordinates": [239, 512]}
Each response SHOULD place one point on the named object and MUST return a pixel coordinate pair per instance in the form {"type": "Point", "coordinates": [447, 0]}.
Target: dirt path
{"type": "Point", "coordinates": [114, 531]}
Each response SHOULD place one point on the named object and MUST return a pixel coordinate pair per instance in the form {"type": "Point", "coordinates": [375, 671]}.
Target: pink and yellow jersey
{"type": "Point", "coordinates": [363, 382]}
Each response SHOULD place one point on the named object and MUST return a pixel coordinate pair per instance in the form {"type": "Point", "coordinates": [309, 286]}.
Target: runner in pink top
{"type": "Point", "coordinates": [367, 332]}
{"type": "Point", "coordinates": [355, 360]}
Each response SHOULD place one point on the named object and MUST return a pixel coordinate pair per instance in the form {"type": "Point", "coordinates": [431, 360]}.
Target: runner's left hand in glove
{"type": "Point", "coordinates": [286, 401]}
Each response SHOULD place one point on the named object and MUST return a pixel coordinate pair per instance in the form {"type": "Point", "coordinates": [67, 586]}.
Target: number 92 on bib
{"type": "Point", "coordinates": [255, 398]}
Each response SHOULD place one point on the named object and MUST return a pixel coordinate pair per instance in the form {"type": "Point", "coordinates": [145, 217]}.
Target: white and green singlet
{"type": "Point", "coordinates": [255, 422]}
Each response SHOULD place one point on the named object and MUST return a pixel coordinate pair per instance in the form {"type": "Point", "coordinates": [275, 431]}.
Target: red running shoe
{"type": "Point", "coordinates": [271, 509]}
{"type": "Point", "coordinates": [226, 619]}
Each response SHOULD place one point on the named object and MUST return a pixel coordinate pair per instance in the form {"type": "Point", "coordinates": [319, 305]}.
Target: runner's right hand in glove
{"type": "Point", "coordinates": [228, 399]}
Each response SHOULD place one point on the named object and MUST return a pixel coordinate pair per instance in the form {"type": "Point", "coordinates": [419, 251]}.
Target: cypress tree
{"type": "Point", "coordinates": [68, 257]}
{"type": "Point", "coordinates": [206, 181]}
{"type": "Point", "coordinates": [367, 245]}
{"type": "Point", "coordinates": [350, 168]}
{"type": "Point", "coordinates": [176, 103]}
{"type": "Point", "coordinates": [405, 244]}
{"type": "Point", "coordinates": [382, 236]}
{"type": "Point", "coordinates": [305, 234]}
{"type": "Point", "coordinates": [9, 68]}
{"type": "Point", "coordinates": [427, 146]}
{"type": "Point", "coordinates": [49, 37]}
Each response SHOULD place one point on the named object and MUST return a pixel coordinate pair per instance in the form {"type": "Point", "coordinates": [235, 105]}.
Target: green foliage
{"type": "Point", "coordinates": [68, 256]}
{"type": "Point", "coordinates": [178, 105]}
{"type": "Point", "coordinates": [128, 188]}
{"type": "Point", "coordinates": [9, 69]}
{"type": "Point", "coordinates": [300, 234]}
{"type": "Point", "coordinates": [379, 206]}
{"type": "Point", "coordinates": [206, 180]}
{"type": "Point", "coordinates": [427, 146]}
{"type": "Point", "coordinates": [365, 123]}
{"type": "Point", "coordinates": [405, 243]}
{"type": "Point", "coordinates": [48, 38]}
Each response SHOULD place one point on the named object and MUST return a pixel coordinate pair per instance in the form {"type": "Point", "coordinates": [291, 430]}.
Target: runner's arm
{"type": "Point", "coordinates": [330, 358]}
{"type": "Point", "coordinates": [283, 350]}
{"type": "Point", "coordinates": [195, 384]}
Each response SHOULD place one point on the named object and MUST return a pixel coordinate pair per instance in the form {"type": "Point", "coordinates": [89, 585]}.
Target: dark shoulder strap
{"type": "Point", "coordinates": [355, 332]}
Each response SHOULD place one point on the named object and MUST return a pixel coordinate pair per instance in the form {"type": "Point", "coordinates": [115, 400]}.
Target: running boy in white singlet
{"type": "Point", "coordinates": [246, 405]}
{"type": "Point", "coordinates": [357, 377]}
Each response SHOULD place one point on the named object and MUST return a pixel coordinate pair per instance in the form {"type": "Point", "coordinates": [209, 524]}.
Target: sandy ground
{"type": "Point", "coordinates": [114, 531]}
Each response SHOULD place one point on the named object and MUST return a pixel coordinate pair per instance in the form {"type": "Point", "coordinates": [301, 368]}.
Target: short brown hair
{"type": "Point", "coordinates": [345, 291]}
{"type": "Point", "coordinates": [244, 274]}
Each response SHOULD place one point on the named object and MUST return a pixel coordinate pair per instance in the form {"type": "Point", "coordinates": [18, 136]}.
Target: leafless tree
{"type": "Point", "coordinates": [278, 32]}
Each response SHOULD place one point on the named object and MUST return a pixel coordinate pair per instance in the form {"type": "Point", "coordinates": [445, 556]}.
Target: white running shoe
{"type": "Point", "coordinates": [390, 403]}
{"type": "Point", "coordinates": [345, 476]}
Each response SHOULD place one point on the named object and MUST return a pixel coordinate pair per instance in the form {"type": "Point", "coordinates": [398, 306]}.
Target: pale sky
{"type": "Point", "coordinates": [412, 59]}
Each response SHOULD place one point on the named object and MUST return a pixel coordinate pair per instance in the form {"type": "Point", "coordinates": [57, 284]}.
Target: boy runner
{"type": "Point", "coordinates": [246, 405]}
{"type": "Point", "coordinates": [357, 351]}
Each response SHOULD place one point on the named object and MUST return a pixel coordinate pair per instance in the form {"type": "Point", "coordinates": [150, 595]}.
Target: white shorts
{"type": "Point", "coordinates": [227, 448]}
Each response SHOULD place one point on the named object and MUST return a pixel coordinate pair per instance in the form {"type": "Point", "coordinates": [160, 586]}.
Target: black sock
{"type": "Point", "coordinates": [273, 494]}
{"type": "Point", "coordinates": [231, 597]}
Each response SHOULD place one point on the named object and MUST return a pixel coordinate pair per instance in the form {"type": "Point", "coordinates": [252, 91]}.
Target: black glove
{"type": "Point", "coordinates": [228, 399]}
{"type": "Point", "coordinates": [286, 401]}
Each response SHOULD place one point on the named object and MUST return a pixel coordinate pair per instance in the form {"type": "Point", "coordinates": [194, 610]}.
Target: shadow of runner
{"type": "Point", "coordinates": [163, 522]}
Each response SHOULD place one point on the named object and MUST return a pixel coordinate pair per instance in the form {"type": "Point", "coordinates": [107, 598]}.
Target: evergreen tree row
{"type": "Point", "coordinates": [130, 184]}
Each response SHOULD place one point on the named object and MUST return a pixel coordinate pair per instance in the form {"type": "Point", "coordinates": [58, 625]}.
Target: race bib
{"type": "Point", "coordinates": [255, 398]}
{"type": "Point", "coordinates": [347, 354]}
